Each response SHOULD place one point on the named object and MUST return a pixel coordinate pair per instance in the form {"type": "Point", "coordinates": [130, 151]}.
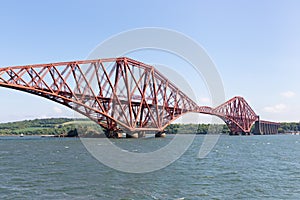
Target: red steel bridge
{"type": "Point", "coordinates": [122, 94]}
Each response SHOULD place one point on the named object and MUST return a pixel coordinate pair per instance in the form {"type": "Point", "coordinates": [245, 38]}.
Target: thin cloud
{"type": "Point", "coordinates": [279, 108]}
{"type": "Point", "coordinates": [288, 94]}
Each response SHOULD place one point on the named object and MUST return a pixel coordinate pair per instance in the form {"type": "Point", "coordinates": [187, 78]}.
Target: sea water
{"type": "Point", "coordinates": [238, 167]}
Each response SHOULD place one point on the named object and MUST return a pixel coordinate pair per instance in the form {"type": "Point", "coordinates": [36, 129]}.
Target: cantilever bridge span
{"type": "Point", "coordinates": [121, 94]}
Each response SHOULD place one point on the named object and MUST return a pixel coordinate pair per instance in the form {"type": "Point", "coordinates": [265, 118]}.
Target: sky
{"type": "Point", "coordinates": [255, 46]}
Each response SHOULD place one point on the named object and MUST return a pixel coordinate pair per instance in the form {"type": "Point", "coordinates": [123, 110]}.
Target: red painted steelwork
{"type": "Point", "coordinates": [112, 92]}
{"type": "Point", "coordinates": [119, 93]}
{"type": "Point", "coordinates": [237, 114]}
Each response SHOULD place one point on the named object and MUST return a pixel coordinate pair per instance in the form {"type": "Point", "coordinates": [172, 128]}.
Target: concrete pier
{"type": "Point", "coordinates": [139, 134]}
{"type": "Point", "coordinates": [266, 128]}
{"type": "Point", "coordinates": [160, 134]}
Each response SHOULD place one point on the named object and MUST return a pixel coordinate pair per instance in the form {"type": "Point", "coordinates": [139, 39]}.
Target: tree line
{"type": "Point", "coordinates": [285, 127]}
{"type": "Point", "coordinates": [52, 126]}
{"type": "Point", "coordinates": [197, 128]}
{"type": "Point", "coordinates": [63, 126]}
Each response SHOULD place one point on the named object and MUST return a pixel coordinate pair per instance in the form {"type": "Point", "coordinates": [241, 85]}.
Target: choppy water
{"type": "Point", "coordinates": [255, 167]}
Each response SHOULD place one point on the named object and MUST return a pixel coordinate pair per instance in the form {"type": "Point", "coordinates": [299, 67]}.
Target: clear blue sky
{"type": "Point", "coordinates": [254, 44]}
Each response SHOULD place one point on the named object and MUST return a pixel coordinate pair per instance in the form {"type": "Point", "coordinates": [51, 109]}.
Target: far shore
{"type": "Point", "coordinates": [19, 135]}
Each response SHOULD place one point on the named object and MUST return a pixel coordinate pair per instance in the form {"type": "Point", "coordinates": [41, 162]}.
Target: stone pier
{"type": "Point", "coordinates": [160, 134]}
{"type": "Point", "coordinates": [266, 128]}
{"type": "Point", "coordinates": [139, 134]}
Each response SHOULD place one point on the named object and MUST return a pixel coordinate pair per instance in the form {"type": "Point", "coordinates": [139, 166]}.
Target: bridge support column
{"type": "Point", "coordinates": [266, 128]}
{"type": "Point", "coordinates": [140, 134]}
{"type": "Point", "coordinates": [160, 134]}
{"type": "Point", "coordinates": [257, 128]}
{"type": "Point", "coordinates": [112, 133]}
{"type": "Point", "coordinates": [246, 133]}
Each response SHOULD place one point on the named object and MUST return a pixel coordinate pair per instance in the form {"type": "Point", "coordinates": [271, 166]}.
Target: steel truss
{"type": "Point", "coordinates": [119, 93]}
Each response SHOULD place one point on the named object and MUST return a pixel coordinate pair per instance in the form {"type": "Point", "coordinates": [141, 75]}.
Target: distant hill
{"type": "Point", "coordinates": [52, 126]}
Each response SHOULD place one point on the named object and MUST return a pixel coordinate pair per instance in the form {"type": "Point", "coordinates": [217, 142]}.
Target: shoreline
{"type": "Point", "coordinates": [19, 135]}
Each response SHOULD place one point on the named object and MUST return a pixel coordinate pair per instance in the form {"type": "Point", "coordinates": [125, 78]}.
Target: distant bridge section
{"type": "Point", "coordinates": [265, 127]}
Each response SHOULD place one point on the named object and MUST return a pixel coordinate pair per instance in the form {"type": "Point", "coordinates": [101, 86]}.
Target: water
{"type": "Point", "coordinates": [255, 167]}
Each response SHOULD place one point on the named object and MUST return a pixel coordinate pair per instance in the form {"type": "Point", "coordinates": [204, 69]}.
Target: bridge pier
{"type": "Point", "coordinates": [139, 134]}
{"type": "Point", "coordinates": [118, 134]}
{"type": "Point", "coordinates": [160, 134]}
{"type": "Point", "coordinates": [112, 133]}
{"type": "Point", "coordinates": [266, 128]}
{"type": "Point", "coordinates": [239, 133]}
